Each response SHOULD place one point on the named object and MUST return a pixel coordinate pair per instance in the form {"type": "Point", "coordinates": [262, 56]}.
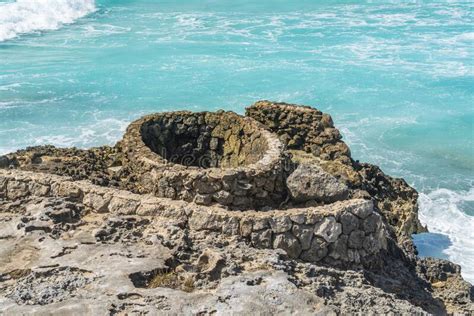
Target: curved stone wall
{"type": "Point", "coordinates": [302, 128]}
{"type": "Point", "coordinates": [348, 233]}
{"type": "Point", "coordinates": [204, 139]}
{"type": "Point", "coordinates": [209, 158]}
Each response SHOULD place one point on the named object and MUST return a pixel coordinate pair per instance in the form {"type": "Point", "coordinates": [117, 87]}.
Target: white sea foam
{"type": "Point", "coordinates": [26, 16]}
{"type": "Point", "coordinates": [441, 211]}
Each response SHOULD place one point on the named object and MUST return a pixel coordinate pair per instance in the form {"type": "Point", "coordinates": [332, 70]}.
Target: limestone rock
{"type": "Point", "coordinates": [16, 189]}
{"type": "Point", "coordinates": [280, 224]}
{"type": "Point", "coordinates": [311, 182]}
{"type": "Point", "coordinates": [349, 222]}
{"type": "Point", "coordinates": [356, 239]}
{"type": "Point", "coordinates": [262, 238]}
{"type": "Point", "coordinates": [305, 235]}
{"type": "Point", "coordinates": [317, 251]}
{"type": "Point", "coordinates": [289, 243]}
{"type": "Point", "coordinates": [328, 229]}
{"type": "Point", "coordinates": [97, 202]}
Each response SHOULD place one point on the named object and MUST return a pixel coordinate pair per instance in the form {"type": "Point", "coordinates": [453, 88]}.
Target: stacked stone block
{"type": "Point", "coordinates": [347, 233]}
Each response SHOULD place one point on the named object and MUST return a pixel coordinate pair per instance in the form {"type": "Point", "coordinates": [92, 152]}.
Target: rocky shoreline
{"type": "Point", "coordinates": [215, 213]}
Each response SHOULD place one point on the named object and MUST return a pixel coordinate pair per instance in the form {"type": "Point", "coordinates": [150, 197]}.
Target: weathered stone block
{"type": "Point", "coordinates": [205, 220]}
{"type": "Point", "coordinates": [231, 226]}
{"type": "Point", "coordinates": [206, 187]}
{"type": "Point", "coordinates": [223, 197]}
{"type": "Point", "coordinates": [280, 224]}
{"type": "Point", "coordinates": [69, 189]}
{"type": "Point", "coordinates": [123, 205]}
{"type": "Point", "coordinates": [362, 210]}
{"type": "Point", "coordinates": [97, 202]}
{"type": "Point", "coordinates": [371, 222]}
{"type": "Point", "coordinates": [317, 251]}
{"type": "Point", "coordinates": [203, 199]}
{"type": "Point", "coordinates": [304, 233]}
{"type": "Point", "coordinates": [246, 226]}
{"type": "Point", "coordinates": [353, 256]}
{"type": "Point", "coordinates": [356, 239]}
{"type": "Point", "coordinates": [16, 189]}
{"type": "Point", "coordinates": [260, 223]}
{"type": "Point", "coordinates": [349, 222]}
{"type": "Point", "coordinates": [38, 189]}
{"type": "Point", "coordinates": [262, 238]}
{"type": "Point", "coordinates": [241, 201]}
{"type": "Point", "coordinates": [338, 249]}
{"type": "Point", "coordinates": [289, 243]}
{"type": "Point", "coordinates": [149, 209]}
{"type": "Point", "coordinates": [328, 229]}
{"type": "Point", "coordinates": [371, 244]}
{"type": "Point", "coordinates": [311, 182]}
{"type": "Point", "coordinates": [313, 218]}
{"type": "Point", "coordinates": [298, 218]}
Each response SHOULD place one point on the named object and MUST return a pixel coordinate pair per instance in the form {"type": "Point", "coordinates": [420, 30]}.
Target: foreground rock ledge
{"type": "Point", "coordinates": [205, 213]}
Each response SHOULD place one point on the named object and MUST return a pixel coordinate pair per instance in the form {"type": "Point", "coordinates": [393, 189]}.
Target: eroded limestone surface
{"type": "Point", "coordinates": [215, 213]}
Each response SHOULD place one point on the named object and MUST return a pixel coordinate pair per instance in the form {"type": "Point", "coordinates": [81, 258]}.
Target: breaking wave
{"type": "Point", "coordinates": [27, 16]}
{"type": "Point", "coordinates": [444, 212]}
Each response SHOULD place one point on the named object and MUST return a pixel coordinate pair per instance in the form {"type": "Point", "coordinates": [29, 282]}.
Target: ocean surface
{"type": "Point", "coordinates": [398, 79]}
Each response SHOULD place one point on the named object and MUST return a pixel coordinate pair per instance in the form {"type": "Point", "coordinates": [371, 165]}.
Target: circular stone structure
{"type": "Point", "coordinates": [219, 157]}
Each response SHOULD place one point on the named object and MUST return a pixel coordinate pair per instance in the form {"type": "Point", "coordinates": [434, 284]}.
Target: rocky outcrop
{"type": "Point", "coordinates": [311, 137]}
{"type": "Point", "coordinates": [203, 213]}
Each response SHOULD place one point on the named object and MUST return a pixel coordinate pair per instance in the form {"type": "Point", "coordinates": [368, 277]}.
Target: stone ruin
{"type": "Point", "coordinates": [191, 200]}
{"type": "Point", "coordinates": [220, 158]}
{"type": "Point", "coordinates": [279, 177]}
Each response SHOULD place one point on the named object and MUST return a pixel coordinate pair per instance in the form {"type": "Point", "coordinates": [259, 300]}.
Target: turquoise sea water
{"type": "Point", "coordinates": [398, 79]}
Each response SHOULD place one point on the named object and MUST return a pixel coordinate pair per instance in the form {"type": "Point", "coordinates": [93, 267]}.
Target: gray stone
{"type": "Point", "coordinates": [203, 199]}
{"type": "Point", "coordinates": [298, 218]}
{"type": "Point", "coordinates": [289, 243]}
{"type": "Point", "coordinates": [371, 222]}
{"type": "Point", "coordinates": [349, 222]}
{"type": "Point", "coordinates": [205, 220]}
{"type": "Point", "coordinates": [231, 226]}
{"type": "Point", "coordinates": [362, 210]}
{"type": "Point", "coordinates": [313, 218]}
{"type": "Point", "coordinates": [305, 234]}
{"type": "Point", "coordinates": [311, 182]}
{"type": "Point", "coordinates": [260, 223]}
{"type": "Point", "coordinates": [338, 249]}
{"type": "Point", "coordinates": [97, 202]}
{"type": "Point", "coordinates": [356, 239]}
{"type": "Point", "coordinates": [16, 190]}
{"type": "Point", "coordinates": [124, 206]}
{"type": "Point", "coordinates": [262, 238]}
{"type": "Point", "coordinates": [353, 256]}
{"type": "Point", "coordinates": [317, 251]}
{"type": "Point", "coordinates": [206, 187]}
{"type": "Point", "coordinates": [371, 244]}
{"type": "Point", "coordinates": [38, 189]}
{"type": "Point", "coordinates": [246, 226]}
{"type": "Point", "coordinates": [69, 189]}
{"type": "Point", "coordinates": [223, 197]}
{"type": "Point", "coordinates": [280, 224]}
{"type": "Point", "coordinates": [328, 229]}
